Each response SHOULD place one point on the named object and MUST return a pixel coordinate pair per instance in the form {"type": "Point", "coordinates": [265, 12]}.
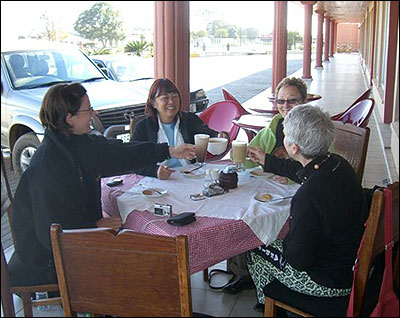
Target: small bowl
{"type": "Point", "coordinates": [216, 146]}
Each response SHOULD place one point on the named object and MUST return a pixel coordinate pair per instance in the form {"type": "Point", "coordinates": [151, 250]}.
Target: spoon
{"type": "Point", "coordinates": [150, 192]}
{"type": "Point", "coordinates": [190, 171]}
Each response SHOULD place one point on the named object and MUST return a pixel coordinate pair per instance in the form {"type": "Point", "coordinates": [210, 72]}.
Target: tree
{"type": "Point", "coordinates": [101, 22]}
{"type": "Point", "coordinates": [293, 37]}
{"type": "Point", "coordinates": [50, 32]}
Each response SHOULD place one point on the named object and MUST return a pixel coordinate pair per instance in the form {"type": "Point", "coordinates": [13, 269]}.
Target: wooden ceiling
{"type": "Point", "coordinates": [343, 11]}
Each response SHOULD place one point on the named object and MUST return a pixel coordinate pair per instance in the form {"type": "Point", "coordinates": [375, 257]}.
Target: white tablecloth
{"type": "Point", "coordinates": [265, 219]}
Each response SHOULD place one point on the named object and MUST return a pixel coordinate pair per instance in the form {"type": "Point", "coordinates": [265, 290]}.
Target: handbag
{"type": "Point", "coordinates": [388, 302]}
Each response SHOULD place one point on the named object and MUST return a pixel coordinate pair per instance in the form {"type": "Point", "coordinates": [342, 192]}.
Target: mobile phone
{"type": "Point", "coordinates": [114, 182]}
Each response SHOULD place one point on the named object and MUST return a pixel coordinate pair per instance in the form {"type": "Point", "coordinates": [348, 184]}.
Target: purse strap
{"type": "Point", "coordinates": [388, 239]}
{"type": "Point", "coordinates": [387, 281]}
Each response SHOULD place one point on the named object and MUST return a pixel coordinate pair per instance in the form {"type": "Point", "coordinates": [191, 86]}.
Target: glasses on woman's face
{"type": "Point", "coordinates": [165, 97]}
{"type": "Point", "coordinates": [90, 109]}
{"type": "Point", "coordinates": [290, 101]}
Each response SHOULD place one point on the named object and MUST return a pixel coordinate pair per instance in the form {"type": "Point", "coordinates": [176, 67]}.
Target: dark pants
{"type": "Point", "coordinates": [23, 275]}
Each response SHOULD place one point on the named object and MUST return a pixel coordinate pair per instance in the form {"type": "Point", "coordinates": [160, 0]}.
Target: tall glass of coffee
{"type": "Point", "coordinates": [239, 152]}
{"type": "Point", "coordinates": [201, 143]}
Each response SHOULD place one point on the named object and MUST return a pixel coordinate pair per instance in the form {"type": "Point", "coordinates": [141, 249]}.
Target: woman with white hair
{"type": "Point", "coordinates": [327, 213]}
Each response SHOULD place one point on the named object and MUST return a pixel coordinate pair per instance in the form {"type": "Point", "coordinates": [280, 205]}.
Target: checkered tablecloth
{"type": "Point", "coordinates": [210, 239]}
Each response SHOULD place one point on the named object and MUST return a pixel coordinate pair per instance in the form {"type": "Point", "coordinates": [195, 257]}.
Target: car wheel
{"type": "Point", "coordinates": [22, 153]}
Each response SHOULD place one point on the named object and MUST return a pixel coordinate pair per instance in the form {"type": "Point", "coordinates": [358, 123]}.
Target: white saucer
{"type": "Point", "coordinates": [274, 198]}
{"type": "Point", "coordinates": [195, 174]}
{"type": "Point", "coordinates": [259, 173]}
{"type": "Point", "coordinates": [154, 192]}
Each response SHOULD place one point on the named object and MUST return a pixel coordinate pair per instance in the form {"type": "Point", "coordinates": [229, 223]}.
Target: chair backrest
{"type": "Point", "coordinates": [351, 142]}
{"type": "Point", "coordinates": [229, 96]}
{"type": "Point", "coordinates": [122, 274]}
{"type": "Point", "coordinates": [373, 242]}
{"type": "Point", "coordinates": [358, 114]}
{"type": "Point", "coordinates": [364, 95]}
{"type": "Point", "coordinates": [219, 117]}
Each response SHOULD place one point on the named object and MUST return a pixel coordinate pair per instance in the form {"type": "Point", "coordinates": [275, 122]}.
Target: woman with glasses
{"type": "Point", "coordinates": [168, 123]}
{"type": "Point", "coordinates": [62, 182]}
{"type": "Point", "coordinates": [289, 93]}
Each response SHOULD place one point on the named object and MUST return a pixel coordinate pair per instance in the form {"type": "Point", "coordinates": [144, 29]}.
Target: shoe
{"type": "Point", "coordinates": [238, 285]}
{"type": "Point", "coordinates": [259, 307]}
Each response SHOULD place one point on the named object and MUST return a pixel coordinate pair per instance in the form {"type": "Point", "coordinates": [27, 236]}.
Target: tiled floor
{"type": "Point", "coordinates": [339, 82]}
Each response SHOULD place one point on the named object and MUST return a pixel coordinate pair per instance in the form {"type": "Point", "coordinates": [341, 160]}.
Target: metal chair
{"type": "Point", "coordinates": [278, 295]}
{"type": "Point", "coordinates": [351, 142]}
{"type": "Point", "coordinates": [363, 96]}
{"type": "Point", "coordinates": [126, 274]}
{"type": "Point", "coordinates": [7, 290]}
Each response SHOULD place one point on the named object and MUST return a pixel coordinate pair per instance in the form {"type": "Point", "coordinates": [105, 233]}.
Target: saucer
{"type": "Point", "coordinates": [154, 192]}
{"type": "Point", "coordinates": [257, 172]}
{"type": "Point", "coordinates": [269, 198]}
{"type": "Point", "coordinates": [194, 174]}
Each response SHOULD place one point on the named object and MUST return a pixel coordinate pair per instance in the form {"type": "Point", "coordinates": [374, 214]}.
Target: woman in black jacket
{"type": "Point", "coordinates": [167, 123]}
{"type": "Point", "coordinates": [327, 213]}
{"type": "Point", "coordinates": [62, 182]}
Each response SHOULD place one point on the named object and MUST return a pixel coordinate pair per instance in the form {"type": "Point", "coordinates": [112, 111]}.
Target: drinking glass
{"type": "Point", "coordinates": [239, 151]}
{"type": "Point", "coordinates": [201, 143]}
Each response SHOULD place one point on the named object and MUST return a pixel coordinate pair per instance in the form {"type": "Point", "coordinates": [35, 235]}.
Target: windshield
{"type": "Point", "coordinates": [40, 68]}
{"type": "Point", "coordinates": [126, 69]}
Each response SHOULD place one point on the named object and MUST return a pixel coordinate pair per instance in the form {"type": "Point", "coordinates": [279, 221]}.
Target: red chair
{"type": "Point", "coordinates": [363, 96]}
{"type": "Point", "coordinates": [359, 114]}
{"type": "Point", "coordinates": [219, 117]}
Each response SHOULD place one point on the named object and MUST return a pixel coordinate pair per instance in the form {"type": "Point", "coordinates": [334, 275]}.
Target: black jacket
{"type": "Point", "coordinates": [62, 185]}
{"type": "Point", "coordinates": [147, 130]}
{"type": "Point", "coordinates": [327, 218]}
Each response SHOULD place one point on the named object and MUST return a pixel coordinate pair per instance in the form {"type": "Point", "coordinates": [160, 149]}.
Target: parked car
{"type": "Point", "coordinates": [137, 72]}
{"type": "Point", "coordinates": [27, 72]}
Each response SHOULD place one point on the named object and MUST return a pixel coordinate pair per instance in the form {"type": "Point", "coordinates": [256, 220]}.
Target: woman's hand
{"type": "Point", "coordinates": [281, 179]}
{"type": "Point", "coordinates": [113, 222]}
{"type": "Point", "coordinates": [184, 151]}
{"type": "Point", "coordinates": [164, 172]}
{"type": "Point", "coordinates": [256, 154]}
{"type": "Point", "coordinates": [223, 134]}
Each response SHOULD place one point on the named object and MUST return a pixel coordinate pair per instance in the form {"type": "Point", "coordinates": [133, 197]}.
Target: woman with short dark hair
{"type": "Point", "coordinates": [62, 183]}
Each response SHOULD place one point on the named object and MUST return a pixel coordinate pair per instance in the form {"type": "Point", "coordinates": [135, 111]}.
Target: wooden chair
{"type": "Point", "coordinates": [278, 295]}
{"type": "Point", "coordinates": [7, 290]}
{"type": "Point", "coordinates": [363, 96]}
{"type": "Point", "coordinates": [122, 274]}
{"type": "Point", "coordinates": [351, 142]}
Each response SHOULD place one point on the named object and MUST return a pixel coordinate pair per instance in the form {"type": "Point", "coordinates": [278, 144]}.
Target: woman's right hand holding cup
{"type": "Point", "coordinates": [184, 151]}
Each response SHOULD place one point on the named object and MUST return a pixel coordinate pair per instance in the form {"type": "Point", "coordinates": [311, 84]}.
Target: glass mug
{"type": "Point", "coordinates": [239, 153]}
{"type": "Point", "coordinates": [201, 143]}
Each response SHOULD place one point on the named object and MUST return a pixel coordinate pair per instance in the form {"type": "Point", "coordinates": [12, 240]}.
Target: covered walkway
{"type": "Point", "coordinates": [340, 81]}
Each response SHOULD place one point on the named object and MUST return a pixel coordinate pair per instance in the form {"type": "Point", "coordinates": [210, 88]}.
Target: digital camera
{"type": "Point", "coordinates": [162, 209]}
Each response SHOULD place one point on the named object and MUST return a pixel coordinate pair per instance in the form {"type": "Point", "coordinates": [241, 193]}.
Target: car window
{"type": "Point", "coordinates": [28, 69]}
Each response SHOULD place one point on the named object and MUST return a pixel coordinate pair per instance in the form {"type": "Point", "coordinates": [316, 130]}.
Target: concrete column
{"type": "Point", "coordinates": [326, 43]}
{"type": "Point", "coordinates": [331, 38]}
{"type": "Point", "coordinates": [318, 58]}
{"type": "Point", "coordinates": [279, 43]}
{"type": "Point", "coordinates": [307, 40]}
{"type": "Point", "coordinates": [171, 45]}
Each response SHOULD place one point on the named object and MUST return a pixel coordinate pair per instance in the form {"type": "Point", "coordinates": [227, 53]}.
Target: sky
{"type": "Point", "coordinates": [23, 17]}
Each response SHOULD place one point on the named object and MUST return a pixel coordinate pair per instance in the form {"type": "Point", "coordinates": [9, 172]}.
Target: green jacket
{"type": "Point", "coordinates": [265, 139]}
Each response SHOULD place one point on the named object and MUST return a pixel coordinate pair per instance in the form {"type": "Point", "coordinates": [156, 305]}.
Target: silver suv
{"type": "Point", "coordinates": [28, 71]}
